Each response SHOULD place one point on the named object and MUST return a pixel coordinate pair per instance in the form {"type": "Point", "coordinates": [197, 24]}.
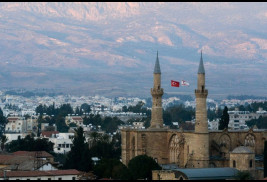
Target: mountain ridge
{"type": "Point", "coordinates": [83, 45]}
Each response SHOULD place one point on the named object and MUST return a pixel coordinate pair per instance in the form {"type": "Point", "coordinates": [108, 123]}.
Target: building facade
{"type": "Point", "coordinates": [200, 148]}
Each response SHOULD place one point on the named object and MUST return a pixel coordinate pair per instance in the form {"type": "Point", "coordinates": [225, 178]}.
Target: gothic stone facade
{"type": "Point", "coordinates": [188, 149]}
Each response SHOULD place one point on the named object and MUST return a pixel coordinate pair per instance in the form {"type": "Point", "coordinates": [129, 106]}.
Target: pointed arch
{"type": "Point", "coordinates": [250, 141]}
{"type": "Point", "coordinates": [133, 147]}
{"type": "Point", "coordinates": [225, 144]}
{"type": "Point", "coordinates": [176, 150]}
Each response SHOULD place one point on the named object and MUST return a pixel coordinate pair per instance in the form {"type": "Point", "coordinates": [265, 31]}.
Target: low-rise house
{"type": "Point", "coordinates": [71, 174]}
{"type": "Point", "coordinates": [213, 125]}
{"type": "Point", "coordinates": [15, 125]}
{"type": "Point", "coordinates": [49, 134]}
{"type": "Point", "coordinates": [40, 154]}
{"type": "Point", "coordinates": [23, 162]}
{"type": "Point", "coordinates": [62, 141]}
{"type": "Point", "coordinates": [138, 125]}
{"type": "Point", "coordinates": [78, 120]}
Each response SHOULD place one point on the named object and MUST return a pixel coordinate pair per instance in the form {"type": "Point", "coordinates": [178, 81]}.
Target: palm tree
{"type": "Point", "coordinates": [3, 141]}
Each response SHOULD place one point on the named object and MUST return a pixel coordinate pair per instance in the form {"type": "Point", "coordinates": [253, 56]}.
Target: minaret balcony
{"type": "Point", "coordinates": [156, 92]}
{"type": "Point", "coordinates": [201, 92]}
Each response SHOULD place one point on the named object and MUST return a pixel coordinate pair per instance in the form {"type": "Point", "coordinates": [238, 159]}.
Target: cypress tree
{"type": "Point", "coordinates": [79, 157]}
{"type": "Point", "coordinates": [224, 121]}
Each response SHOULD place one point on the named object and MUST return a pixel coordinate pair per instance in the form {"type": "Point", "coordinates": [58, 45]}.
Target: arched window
{"type": "Point", "coordinates": [176, 149]}
{"type": "Point", "coordinates": [250, 164]}
{"type": "Point", "coordinates": [133, 147]}
{"type": "Point", "coordinates": [234, 164]}
{"type": "Point", "coordinates": [250, 140]}
{"type": "Point", "coordinates": [144, 143]}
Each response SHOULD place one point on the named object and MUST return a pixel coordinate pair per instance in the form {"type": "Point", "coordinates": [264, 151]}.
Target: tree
{"type": "Point", "coordinates": [61, 125]}
{"type": "Point", "coordinates": [124, 109]}
{"type": "Point", "coordinates": [3, 122]}
{"type": "Point", "coordinates": [30, 144]}
{"type": "Point", "coordinates": [261, 122]}
{"type": "Point", "coordinates": [3, 142]}
{"type": "Point", "coordinates": [112, 168]}
{"type": "Point", "coordinates": [167, 118]}
{"type": "Point", "coordinates": [141, 167]}
{"type": "Point", "coordinates": [79, 157]}
{"type": "Point", "coordinates": [224, 121]}
{"type": "Point", "coordinates": [243, 175]}
{"type": "Point", "coordinates": [85, 108]}
{"type": "Point", "coordinates": [179, 113]}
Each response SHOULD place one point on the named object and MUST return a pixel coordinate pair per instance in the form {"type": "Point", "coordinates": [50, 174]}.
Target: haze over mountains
{"type": "Point", "coordinates": [110, 48]}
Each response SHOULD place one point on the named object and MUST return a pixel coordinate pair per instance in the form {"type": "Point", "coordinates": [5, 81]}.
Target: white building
{"type": "Point", "coordinates": [138, 125]}
{"type": "Point", "coordinates": [62, 141]}
{"type": "Point", "coordinates": [237, 119]}
{"type": "Point", "coordinates": [16, 125]}
{"type": "Point", "coordinates": [14, 136]}
{"type": "Point", "coordinates": [78, 120]}
{"type": "Point", "coordinates": [213, 125]}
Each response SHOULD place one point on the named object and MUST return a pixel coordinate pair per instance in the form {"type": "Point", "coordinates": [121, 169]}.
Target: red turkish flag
{"type": "Point", "coordinates": [175, 83]}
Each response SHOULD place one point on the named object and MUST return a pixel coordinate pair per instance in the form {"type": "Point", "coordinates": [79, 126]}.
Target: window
{"type": "Point", "coordinates": [234, 164]}
{"type": "Point", "coordinates": [59, 178]}
{"type": "Point", "coordinates": [73, 178]}
{"type": "Point", "coordinates": [49, 179]}
{"type": "Point", "coordinates": [250, 164]}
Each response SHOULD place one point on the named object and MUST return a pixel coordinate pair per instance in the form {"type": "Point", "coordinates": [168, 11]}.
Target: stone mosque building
{"type": "Point", "coordinates": [201, 148]}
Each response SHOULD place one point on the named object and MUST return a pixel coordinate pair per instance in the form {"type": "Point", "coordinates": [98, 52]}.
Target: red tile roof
{"type": "Point", "coordinates": [10, 119]}
{"type": "Point", "coordinates": [48, 133]}
{"type": "Point", "coordinates": [32, 153]}
{"type": "Point", "coordinates": [14, 159]}
{"type": "Point", "coordinates": [79, 119]}
{"type": "Point", "coordinates": [39, 173]}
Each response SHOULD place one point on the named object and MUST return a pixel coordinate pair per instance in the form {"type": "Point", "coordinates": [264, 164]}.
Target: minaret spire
{"type": "Point", "coordinates": [157, 67]}
{"type": "Point", "coordinates": [201, 66]}
{"type": "Point", "coordinates": [157, 92]}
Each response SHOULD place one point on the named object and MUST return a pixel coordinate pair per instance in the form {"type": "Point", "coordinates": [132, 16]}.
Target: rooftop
{"type": "Point", "coordinates": [242, 150]}
{"type": "Point", "coordinates": [39, 173]}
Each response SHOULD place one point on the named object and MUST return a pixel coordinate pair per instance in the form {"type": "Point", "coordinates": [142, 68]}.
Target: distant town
{"type": "Point", "coordinates": [56, 117]}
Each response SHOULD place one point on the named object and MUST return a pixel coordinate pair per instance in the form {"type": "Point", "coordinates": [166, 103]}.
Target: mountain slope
{"type": "Point", "coordinates": [110, 48]}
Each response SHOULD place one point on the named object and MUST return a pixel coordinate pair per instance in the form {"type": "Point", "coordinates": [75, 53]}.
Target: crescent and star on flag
{"type": "Point", "coordinates": [177, 83]}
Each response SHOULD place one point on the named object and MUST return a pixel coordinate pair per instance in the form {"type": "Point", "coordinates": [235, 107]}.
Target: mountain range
{"type": "Point", "coordinates": [110, 48]}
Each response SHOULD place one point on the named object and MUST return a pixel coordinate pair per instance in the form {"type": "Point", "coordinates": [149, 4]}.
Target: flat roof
{"type": "Point", "coordinates": [207, 173]}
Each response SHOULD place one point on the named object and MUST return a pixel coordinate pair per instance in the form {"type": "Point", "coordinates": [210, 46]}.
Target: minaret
{"type": "Point", "coordinates": [156, 92]}
{"type": "Point", "coordinates": [201, 125]}
{"type": "Point", "coordinates": [201, 146]}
